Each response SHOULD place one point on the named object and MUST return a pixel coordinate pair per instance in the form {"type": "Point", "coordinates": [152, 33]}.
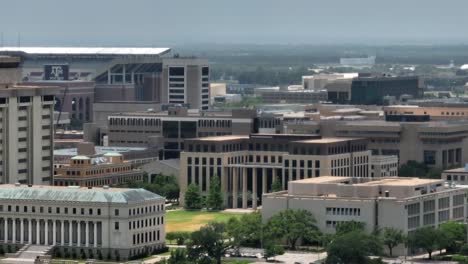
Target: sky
{"type": "Point", "coordinates": [187, 22]}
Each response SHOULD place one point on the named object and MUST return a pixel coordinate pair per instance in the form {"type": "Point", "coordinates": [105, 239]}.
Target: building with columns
{"type": "Point", "coordinates": [402, 203]}
{"type": "Point", "coordinates": [249, 165]}
{"type": "Point", "coordinates": [92, 222]}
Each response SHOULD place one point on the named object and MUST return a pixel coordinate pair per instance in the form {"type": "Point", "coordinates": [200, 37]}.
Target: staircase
{"type": "Point", "coordinates": [28, 254]}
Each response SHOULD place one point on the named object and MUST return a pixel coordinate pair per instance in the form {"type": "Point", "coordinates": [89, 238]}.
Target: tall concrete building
{"type": "Point", "coordinates": [187, 82]}
{"type": "Point", "coordinates": [26, 128]}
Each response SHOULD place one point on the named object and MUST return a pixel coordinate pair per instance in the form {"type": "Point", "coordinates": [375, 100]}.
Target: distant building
{"type": "Point", "coordinates": [90, 222]}
{"type": "Point", "coordinates": [371, 90]}
{"type": "Point", "coordinates": [358, 61]}
{"type": "Point", "coordinates": [383, 166]}
{"type": "Point", "coordinates": [109, 169]}
{"type": "Point", "coordinates": [293, 96]}
{"type": "Point", "coordinates": [26, 118]}
{"type": "Point", "coordinates": [402, 203]}
{"type": "Point", "coordinates": [457, 176]}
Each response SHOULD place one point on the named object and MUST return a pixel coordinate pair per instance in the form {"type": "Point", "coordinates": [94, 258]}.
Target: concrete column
{"type": "Point", "coordinates": [254, 188]}
{"type": "Point", "coordinates": [70, 233]}
{"type": "Point", "coordinates": [95, 234]}
{"type": "Point", "coordinates": [87, 234]}
{"type": "Point", "coordinates": [46, 232]}
{"type": "Point", "coordinates": [54, 232]}
{"type": "Point", "coordinates": [274, 173]}
{"type": "Point", "coordinates": [62, 233]}
{"type": "Point", "coordinates": [22, 231]}
{"type": "Point", "coordinates": [264, 180]}
{"type": "Point", "coordinates": [124, 76]}
{"type": "Point", "coordinates": [244, 188]}
{"type": "Point", "coordinates": [13, 230]}
{"type": "Point", "coordinates": [78, 240]}
{"type": "Point", "coordinates": [6, 230]}
{"type": "Point", "coordinates": [224, 188]}
{"type": "Point", "coordinates": [235, 183]}
{"type": "Point", "coordinates": [29, 231]}
{"type": "Point", "coordinates": [38, 234]}
{"type": "Point", "coordinates": [109, 76]}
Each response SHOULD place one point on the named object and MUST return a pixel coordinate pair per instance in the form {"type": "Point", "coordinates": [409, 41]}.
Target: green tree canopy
{"type": "Point", "coordinates": [455, 236]}
{"type": "Point", "coordinates": [349, 226]}
{"type": "Point", "coordinates": [215, 200]}
{"type": "Point", "coordinates": [292, 225]}
{"type": "Point", "coordinates": [353, 247]}
{"type": "Point", "coordinates": [276, 186]}
{"type": "Point", "coordinates": [208, 244]}
{"type": "Point", "coordinates": [246, 231]}
{"type": "Point", "coordinates": [193, 199]}
{"type": "Point", "coordinates": [426, 238]}
{"type": "Point", "coordinates": [392, 237]}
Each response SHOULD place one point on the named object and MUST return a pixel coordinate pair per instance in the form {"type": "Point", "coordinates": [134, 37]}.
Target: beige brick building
{"type": "Point", "coordinates": [249, 165]}
{"type": "Point", "coordinates": [402, 203]}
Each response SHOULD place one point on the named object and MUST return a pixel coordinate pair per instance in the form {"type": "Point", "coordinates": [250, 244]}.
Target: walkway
{"type": "Point", "coordinates": [27, 254]}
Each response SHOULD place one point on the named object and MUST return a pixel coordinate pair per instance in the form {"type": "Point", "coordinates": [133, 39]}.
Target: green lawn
{"type": "Point", "coordinates": [181, 220]}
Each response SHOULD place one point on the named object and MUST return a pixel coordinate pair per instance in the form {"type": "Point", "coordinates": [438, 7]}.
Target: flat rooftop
{"type": "Point", "coordinates": [399, 181]}
{"type": "Point", "coordinates": [222, 138]}
{"type": "Point", "coordinates": [99, 150]}
{"type": "Point", "coordinates": [327, 140]}
{"type": "Point", "coordinates": [459, 170]}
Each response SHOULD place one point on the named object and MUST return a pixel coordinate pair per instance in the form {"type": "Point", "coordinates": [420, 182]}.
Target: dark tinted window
{"type": "Point", "coordinates": [179, 71]}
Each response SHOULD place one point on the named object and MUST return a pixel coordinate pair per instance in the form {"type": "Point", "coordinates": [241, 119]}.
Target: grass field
{"type": "Point", "coordinates": [181, 220]}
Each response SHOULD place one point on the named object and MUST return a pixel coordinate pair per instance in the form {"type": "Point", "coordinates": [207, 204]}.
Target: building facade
{"type": "Point", "coordinates": [249, 165]}
{"type": "Point", "coordinates": [26, 131]}
{"type": "Point", "coordinates": [402, 203]}
{"type": "Point", "coordinates": [91, 222]}
{"type": "Point", "coordinates": [383, 166]}
{"type": "Point", "coordinates": [109, 169]}
{"type": "Point", "coordinates": [168, 130]}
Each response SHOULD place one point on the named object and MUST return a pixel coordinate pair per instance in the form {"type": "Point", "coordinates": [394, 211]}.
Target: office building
{"type": "Point", "coordinates": [383, 166]}
{"type": "Point", "coordinates": [293, 96]}
{"type": "Point", "coordinates": [168, 130]}
{"type": "Point", "coordinates": [26, 134]}
{"type": "Point", "coordinates": [109, 169]}
{"type": "Point", "coordinates": [440, 144]}
{"type": "Point", "coordinates": [368, 90]}
{"type": "Point", "coordinates": [402, 203]}
{"type": "Point", "coordinates": [248, 165]}
{"type": "Point", "coordinates": [456, 176]}
{"type": "Point", "coordinates": [91, 222]}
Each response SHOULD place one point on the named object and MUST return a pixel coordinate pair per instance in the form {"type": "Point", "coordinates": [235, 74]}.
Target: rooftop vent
{"type": "Point", "coordinates": [105, 187]}
{"type": "Point", "coordinates": [17, 184]}
{"type": "Point", "coordinates": [30, 185]}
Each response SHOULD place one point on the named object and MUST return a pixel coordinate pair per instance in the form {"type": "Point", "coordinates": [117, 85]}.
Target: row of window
{"type": "Point", "coordinates": [155, 221]}
{"type": "Point", "coordinates": [343, 211]}
{"type": "Point", "coordinates": [145, 237]}
{"type": "Point", "coordinates": [146, 209]}
{"type": "Point", "coordinates": [50, 210]}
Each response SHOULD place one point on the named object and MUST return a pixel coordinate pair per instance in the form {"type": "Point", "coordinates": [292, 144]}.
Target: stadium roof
{"type": "Point", "coordinates": [86, 51]}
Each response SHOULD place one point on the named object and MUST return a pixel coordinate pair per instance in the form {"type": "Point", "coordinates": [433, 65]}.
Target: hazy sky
{"type": "Point", "coordinates": [179, 22]}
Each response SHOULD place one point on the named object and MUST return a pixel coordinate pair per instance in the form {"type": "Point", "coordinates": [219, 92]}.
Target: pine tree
{"type": "Point", "coordinates": [215, 196]}
{"type": "Point", "coordinates": [276, 186]}
{"type": "Point", "coordinates": [193, 197]}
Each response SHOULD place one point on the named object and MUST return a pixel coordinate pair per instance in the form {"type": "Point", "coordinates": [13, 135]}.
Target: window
{"type": "Point", "coordinates": [116, 212]}
{"type": "Point", "coordinates": [116, 225]}
{"type": "Point", "coordinates": [74, 210]}
{"type": "Point", "coordinates": [99, 211]}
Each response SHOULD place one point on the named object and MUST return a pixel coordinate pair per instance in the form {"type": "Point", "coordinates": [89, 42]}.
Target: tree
{"type": "Point", "coordinates": [426, 238]}
{"type": "Point", "coordinates": [193, 199]}
{"type": "Point", "coordinates": [272, 250]}
{"type": "Point", "coordinates": [453, 236]}
{"type": "Point", "coordinates": [292, 225]}
{"type": "Point", "coordinates": [349, 226]}
{"type": "Point", "coordinates": [215, 199]}
{"type": "Point", "coordinates": [392, 237]}
{"type": "Point", "coordinates": [276, 186]}
{"type": "Point", "coordinates": [209, 243]}
{"type": "Point", "coordinates": [179, 237]}
{"type": "Point", "coordinates": [353, 247]}
{"type": "Point", "coordinates": [178, 256]}
{"type": "Point", "coordinates": [245, 231]}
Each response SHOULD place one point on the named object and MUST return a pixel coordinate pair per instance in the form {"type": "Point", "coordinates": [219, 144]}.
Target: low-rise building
{"type": "Point", "coordinates": [402, 203]}
{"type": "Point", "coordinates": [249, 165]}
{"type": "Point", "coordinates": [383, 166]}
{"type": "Point", "coordinates": [108, 169]}
{"type": "Point", "coordinates": [456, 176]}
{"type": "Point", "coordinates": [92, 222]}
